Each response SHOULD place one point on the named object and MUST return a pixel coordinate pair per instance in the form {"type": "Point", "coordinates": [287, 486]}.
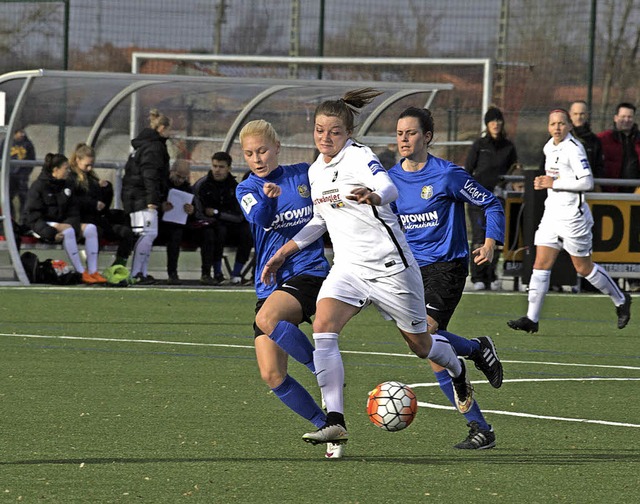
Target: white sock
{"type": "Point", "coordinates": [71, 247]}
{"type": "Point", "coordinates": [329, 370]}
{"type": "Point", "coordinates": [146, 223]}
{"type": "Point", "coordinates": [538, 287]}
{"type": "Point", "coordinates": [601, 280]}
{"type": "Point", "coordinates": [91, 247]}
{"type": "Point", "coordinates": [442, 354]}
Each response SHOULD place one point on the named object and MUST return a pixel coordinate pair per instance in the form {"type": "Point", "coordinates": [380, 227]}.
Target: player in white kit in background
{"type": "Point", "coordinates": [566, 224]}
{"type": "Point", "coordinates": [373, 263]}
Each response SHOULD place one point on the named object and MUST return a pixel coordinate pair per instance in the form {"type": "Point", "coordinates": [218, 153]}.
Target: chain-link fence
{"type": "Point", "coordinates": [546, 53]}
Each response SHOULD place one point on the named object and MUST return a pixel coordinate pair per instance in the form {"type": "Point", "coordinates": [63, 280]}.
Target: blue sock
{"type": "Point", "coordinates": [237, 269]}
{"type": "Point", "coordinates": [296, 397]}
{"type": "Point", "coordinates": [463, 346]}
{"type": "Point", "coordinates": [217, 267]}
{"type": "Point", "coordinates": [444, 380]}
{"type": "Point", "coordinates": [293, 341]}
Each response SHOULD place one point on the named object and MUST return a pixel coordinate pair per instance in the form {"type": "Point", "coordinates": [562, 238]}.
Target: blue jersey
{"type": "Point", "coordinates": [431, 209]}
{"type": "Point", "coordinates": [274, 221]}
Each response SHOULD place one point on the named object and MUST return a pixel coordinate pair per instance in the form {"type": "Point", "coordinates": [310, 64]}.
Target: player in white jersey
{"type": "Point", "coordinates": [566, 224]}
{"type": "Point", "coordinates": [373, 263]}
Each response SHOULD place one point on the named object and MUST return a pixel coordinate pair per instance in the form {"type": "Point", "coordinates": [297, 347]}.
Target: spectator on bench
{"type": "Point", "coordinates": [173, 233]}
{"type": "Point", "coordinates": [94, 197]}
{"type": "Point", "coordinates": [220, 217]}
{"type": "Point", "coordinates": [54, 217]}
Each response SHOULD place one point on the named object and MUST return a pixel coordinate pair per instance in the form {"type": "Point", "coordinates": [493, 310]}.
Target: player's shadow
{"type": "Point", "coordinates": [495, 457]}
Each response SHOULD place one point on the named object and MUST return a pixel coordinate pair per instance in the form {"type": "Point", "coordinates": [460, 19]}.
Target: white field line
{"type": "Point", "coordinates": [529, 415]}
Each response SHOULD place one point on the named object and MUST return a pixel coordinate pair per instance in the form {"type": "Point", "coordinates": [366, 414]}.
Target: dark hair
{"type": "Point", "coordinates": [347, 107]}
{"type": "Point", "coordinates": [423, 116]}
{"type": "Point", "coordinates": [222, 156]}
{"type": "Point", "coordinates": [625, 105]}
{"type": "Point", "coordinates": [52, 161]}
{"type": "Point", "coordinates": [578, 101]}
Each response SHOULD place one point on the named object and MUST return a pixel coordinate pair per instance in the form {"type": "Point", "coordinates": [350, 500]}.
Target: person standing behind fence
{"type": "Point", "coordinates": [621, 148]}
{"type": "Point", "coordinates": [52, 214]}
{"type": "Point", "coordinates": [218, 211]}
{"type": "Point", "coordinates": [94, 197]}
{"type": "Point", "coordinates": [144, 188]}
{"type": "Point", "coordinates": [566, 224]}
{"type": "Point", "coordinates": [579, 115]}
{"type": "Point", "coordinates": [490, 156]}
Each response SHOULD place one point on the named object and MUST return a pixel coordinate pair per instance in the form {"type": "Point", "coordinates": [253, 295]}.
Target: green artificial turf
{"type": "Point", "coordinates": [153, 395]}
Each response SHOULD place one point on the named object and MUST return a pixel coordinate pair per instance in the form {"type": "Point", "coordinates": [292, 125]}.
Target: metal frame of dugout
{"type": "Point", "coordinates": [95, 105]}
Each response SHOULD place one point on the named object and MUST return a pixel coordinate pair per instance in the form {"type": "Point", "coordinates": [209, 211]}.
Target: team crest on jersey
{"type": "Point", "coordinates": [303, 190]}
{"type": "Point", "coordinates": [427, 192]}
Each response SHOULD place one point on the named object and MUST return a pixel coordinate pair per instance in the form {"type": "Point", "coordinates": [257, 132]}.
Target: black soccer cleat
{"type": "Point", "coordinates": [487, 361]}
{"type": "Point", "coordinates": [624, 312]}
{"type": "Point", "coordinates": [478, 439]}
{"type": "Point", "coordinates": [523, 324]}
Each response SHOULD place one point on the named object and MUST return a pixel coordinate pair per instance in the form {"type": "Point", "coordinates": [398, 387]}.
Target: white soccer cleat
{"type": "Point", "coordinates": [335, 434]}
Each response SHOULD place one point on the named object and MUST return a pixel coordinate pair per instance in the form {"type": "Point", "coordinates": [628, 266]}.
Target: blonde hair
{"type": "Point", "coordinates": [82, 151]}
{"type": "Point", "coordinates": [260, 128]}
{"type": "Point", "coordinates": [157, 119]}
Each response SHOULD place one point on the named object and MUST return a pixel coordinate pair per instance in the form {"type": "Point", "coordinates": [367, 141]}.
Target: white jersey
{"type": "Point", "coordinates": [367, 240]}
{"type": "Point", "coordinates": [567, 164]}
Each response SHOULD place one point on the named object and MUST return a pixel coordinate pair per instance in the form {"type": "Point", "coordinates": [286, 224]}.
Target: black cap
{"type": "Point", "coordinates": [493, 114]}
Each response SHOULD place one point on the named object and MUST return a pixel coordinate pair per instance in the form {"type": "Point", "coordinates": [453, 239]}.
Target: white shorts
{"type": "Point", "coordinates": [144, 221]}
{"type": "Point", "coordinates": [573, 236]}
{"type": "Point", "coordinates": [398, 297]}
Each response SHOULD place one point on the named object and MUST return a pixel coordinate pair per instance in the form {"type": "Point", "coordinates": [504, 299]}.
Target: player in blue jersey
{"type": "Point", "coordinates": [432, 193]}
{"type": "Point", "coordinates": [372, 262]}
{"type": "Point", "coordinates": [276, 201]}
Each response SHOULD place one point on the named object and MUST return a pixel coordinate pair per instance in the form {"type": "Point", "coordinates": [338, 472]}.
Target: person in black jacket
{"type": "Point", "coordinates": [490, 156]}
{"type": "Point", "coordinates": [173, 233]}
{"type": "Point", "coordinates": [54, 217]}
{"type": "Point", "coordinates": [21, 149]}
{"type": "Point", "coordinates": [222, 222]}
{"type": "Point", "coordinates": [94, 197]}
{"type": "Point", "coordinates": [144, 188]}
{"type": "Point", "coordinates": [579, 115]}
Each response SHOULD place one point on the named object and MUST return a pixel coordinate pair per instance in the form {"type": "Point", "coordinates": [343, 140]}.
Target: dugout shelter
{"type": "Point", "coordinates": [59, 109]}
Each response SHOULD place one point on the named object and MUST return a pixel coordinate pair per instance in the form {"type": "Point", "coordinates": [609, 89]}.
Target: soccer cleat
{"type": "Point", "coordinates": [624, 312]}
{"type": "Point", "coordinates": [88, 279]}
{"type": "Point", "coordinates": [98, 278]}
{"type": "Point", "coordinates": [173, 279]}
{"type": "Point", "coordinates": [218, 279]}
{"type": "Point", "coordinates": [486, 360]}
{"type": "Point", "coordinates": [207, 280]}
{"type": "Point", "coordinates": [478, 439]}
{"type": "Point", "coordinates": [523, 324]}
{"type": "Point", "coordinates": [235, 280]}
{"type": "Point", "coordinates": [335, 434]}
{"type": "Point", "coordinates": [479, 286]}
{"type": "Point", "coordinates": [141, 279]}
{"type": "Point", "coordinates": [334, 451]}
{"type": "Point", "coordinates": [462, 390]}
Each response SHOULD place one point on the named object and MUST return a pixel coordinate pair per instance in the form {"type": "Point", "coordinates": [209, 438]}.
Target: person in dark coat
{"type": "Point", "coordinates": [144, 189]}
{"type": "Point", "coordinates": [21, 149]}
{"type": "Point", "coordinates": [94, 197]}
{"type": "Point", "coordinates": [222, 222]}
{"type": "Point", "coordinates": [579, 115]}
{"type": "Point", "coordinates": [54, 216]}
{"type": "Point", "coordinates": [490, 156]}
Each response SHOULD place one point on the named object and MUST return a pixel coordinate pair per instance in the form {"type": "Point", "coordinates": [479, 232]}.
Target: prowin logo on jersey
{"type": "Point", "coordinates": [293, 217]}
{"type": "Point", "coordinates": [416, 221]}
{"type": "Point", "coordinates": [475, 193]}
{"type": "Point", "coordinates": [426, 192]}
{"type": "Point", "coordinates": [303, 190]}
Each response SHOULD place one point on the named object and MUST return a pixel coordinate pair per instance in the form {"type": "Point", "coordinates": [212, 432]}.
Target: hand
{"type": "Point", "coordinates": [189, 208]}
{"type": "Point", "coordinates": [270, 270]}
{"type": "Point", "coordinates": [210, 212]}
{"type": "Point", "coordinates": [100, 206]}
{"type": "Point", "coordinates": [166, 206]}
{"type": "Point", "coordinates": [104, 183]}
{"type": "Point", "coordinates": [271, 190]}
{"type": "Point", "coordinates": [543, 182]}
{"type": "Point", "coordinates": [364, 196]}
{"type": "Point", "coordinates": [483, 254]}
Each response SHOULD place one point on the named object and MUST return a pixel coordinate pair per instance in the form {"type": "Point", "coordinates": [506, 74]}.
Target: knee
{"type": "Point", "coordinates": [265, 322]}
{"type": "Point", "coordinates": [421, 346]}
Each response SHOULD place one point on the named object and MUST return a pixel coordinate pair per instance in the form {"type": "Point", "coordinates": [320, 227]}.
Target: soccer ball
{"type": "Point", "coordinates": [392, 406]}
